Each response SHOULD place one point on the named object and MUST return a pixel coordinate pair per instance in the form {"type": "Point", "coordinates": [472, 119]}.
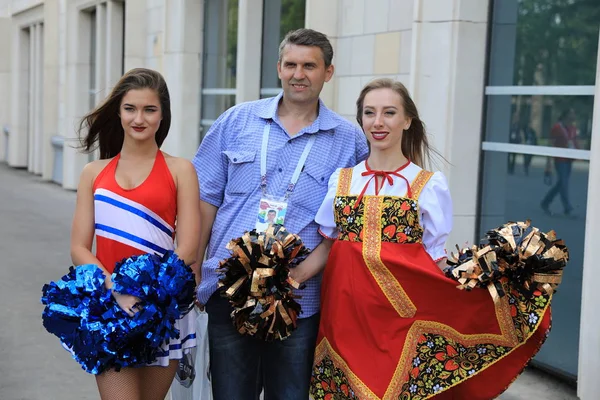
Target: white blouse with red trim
{"type": "Point", "coordinates": [435, 205]}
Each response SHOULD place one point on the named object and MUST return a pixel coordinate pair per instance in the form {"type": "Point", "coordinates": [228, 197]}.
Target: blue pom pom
{"type": "Point", "coordinates": [89, 322]}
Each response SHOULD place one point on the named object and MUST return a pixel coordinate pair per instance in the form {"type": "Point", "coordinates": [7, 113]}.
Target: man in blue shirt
{"type": "Point", "coordinates": [285, 147]}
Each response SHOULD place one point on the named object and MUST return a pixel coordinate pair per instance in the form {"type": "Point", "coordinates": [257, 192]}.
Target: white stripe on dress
{"type": "Point", "coordinates": [126, 241]}
{"type": "Point", "coordinates": [138, 206]}
{"type": "Point", "coordinates": [124, 220]}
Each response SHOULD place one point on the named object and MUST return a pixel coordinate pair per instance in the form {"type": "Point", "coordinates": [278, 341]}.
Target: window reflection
{"type": "Point", "coordinates": [219, 59]}
{"type": "Point", "coordinates": [544, 42]}
{"type": "Point", "coordinates": [537, 120]}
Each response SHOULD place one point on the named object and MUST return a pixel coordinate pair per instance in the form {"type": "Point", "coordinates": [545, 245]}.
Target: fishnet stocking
{"type": "Point", "coordinates": [122, 385]}
{"type": "Point", "coordinates": [156, 381]}
{"type": "Point", "coordinates": [142, 383]}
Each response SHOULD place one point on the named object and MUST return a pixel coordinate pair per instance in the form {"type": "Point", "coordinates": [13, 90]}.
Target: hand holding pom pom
{"type": "Point", "coordinates": [257, 282]}
{"type": "Point", "coordinates": [516, 253]}
{"type": "Point", "coordinates": [104, 331]}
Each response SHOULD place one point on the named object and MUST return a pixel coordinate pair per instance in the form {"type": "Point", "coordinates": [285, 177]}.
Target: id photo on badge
{"type": "Point", "coordinates": [270, 212]}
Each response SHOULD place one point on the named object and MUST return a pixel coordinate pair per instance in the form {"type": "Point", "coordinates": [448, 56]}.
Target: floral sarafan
{"type": "Point", "coordinates": [394, 326]}
{"type": "Point", "coordinates": [399, 219]}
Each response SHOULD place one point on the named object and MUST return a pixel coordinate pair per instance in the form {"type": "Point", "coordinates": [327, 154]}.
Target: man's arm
{"type": "Point", "coordinates": [211, 168]}
{"type": "Point", "coordinates": [314, 263]}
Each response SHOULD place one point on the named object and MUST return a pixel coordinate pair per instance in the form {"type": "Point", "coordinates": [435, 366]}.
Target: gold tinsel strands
{"type": "Point", "coordinates": [515, 252]}
{"type": "Point", "coordinates": [256, 281]}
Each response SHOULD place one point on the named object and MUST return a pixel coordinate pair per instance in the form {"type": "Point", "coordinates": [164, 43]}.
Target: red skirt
{"type": "Point", "coordinates": [394, 327]}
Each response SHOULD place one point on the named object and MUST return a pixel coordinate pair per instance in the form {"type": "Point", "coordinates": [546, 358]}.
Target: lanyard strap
{"type": "Point", "coordinates": [297, 171]}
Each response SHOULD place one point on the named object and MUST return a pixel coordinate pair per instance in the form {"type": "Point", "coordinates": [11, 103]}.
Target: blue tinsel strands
{"type": "Point", "coordinates": [87, 319]}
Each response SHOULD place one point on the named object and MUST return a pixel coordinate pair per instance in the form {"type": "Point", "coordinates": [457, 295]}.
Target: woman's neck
{"type": "Point", "coordinates": [386, 160]}
{"type": "Point", "coordinates": [139, 150]}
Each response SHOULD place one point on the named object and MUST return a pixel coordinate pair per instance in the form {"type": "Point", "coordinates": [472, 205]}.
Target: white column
{"type": "Point", "coordinates": [77, 93]}
{"type": "Point", "coordinates": [101, 91]}
{"type": "Point", "coordinates": [135, 33]}
{"type": "Point", "coordinates": [18, 141]}
{"type": "Point", "coordinates": [249, 50]}
{"type": "Point", "coordinates": [5, 79]}
{"type": "Point", "coordinates": [114, 44]}
{"type": "Point", "coordinates": [38, 109]}
{"type": "Point", "coordinates": [182, 60]}
{"type": "Point", "coordinates": [31, 124]}
{"type": "Point", "coordinates": [447, 84]}
{"type": "Point", "coordinates": [589, 337]}
{"type": "Point", "coordinates": [51, 88]}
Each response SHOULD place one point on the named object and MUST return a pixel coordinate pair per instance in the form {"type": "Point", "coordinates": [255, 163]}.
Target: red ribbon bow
{"type": "Point", "coordinates": [387, 176]}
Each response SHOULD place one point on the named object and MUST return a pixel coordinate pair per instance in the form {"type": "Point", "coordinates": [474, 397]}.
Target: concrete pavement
{"type": "Point", "coordinates": [35, 219]}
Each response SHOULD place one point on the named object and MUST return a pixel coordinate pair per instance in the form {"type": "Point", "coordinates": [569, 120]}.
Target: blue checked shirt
{"type": "Point", "coordinates": [228, 167]}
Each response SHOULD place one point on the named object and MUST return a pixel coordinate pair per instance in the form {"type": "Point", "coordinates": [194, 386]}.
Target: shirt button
{"type": "Point", "coordinates": [280, 170]}
{"type": "Point", "coordinates": [322, 179]}
{"type": "Point", "coordinates": [235, 160]}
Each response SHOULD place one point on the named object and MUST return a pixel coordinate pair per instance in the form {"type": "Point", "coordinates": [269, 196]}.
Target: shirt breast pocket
{"type": "Point", "coordinates": [241, 172]}
{"type": "Point", "coordinates": [312, 186]}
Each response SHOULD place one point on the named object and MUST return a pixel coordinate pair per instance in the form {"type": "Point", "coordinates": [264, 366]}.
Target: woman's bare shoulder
{"type": "Point", "coordinates": [178, 164]}
{"type": "Point", "coordinates": [93, 168]}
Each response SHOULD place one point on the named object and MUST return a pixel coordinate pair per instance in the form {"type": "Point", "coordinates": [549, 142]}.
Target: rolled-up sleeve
{"type": "Point", "coordinates": [325, 216]}
{"type": "Point", "coordinates": [211, 163]}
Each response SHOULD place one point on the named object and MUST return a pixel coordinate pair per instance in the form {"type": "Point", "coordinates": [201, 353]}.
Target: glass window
{"type": "Point", "coordinates": [279, 17]}
{"type": "Point", "coordinates": [219, 59]}
{"type": "Point", "coordinates": [539, 120]}
{"type": "Point", "coordinates": [544, 42]}
{"type": "Point", "coordinates": [539, 105]}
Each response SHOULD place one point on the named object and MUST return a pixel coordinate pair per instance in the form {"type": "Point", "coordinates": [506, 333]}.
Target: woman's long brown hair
{"type": "Point", "coordinates": [415, 145]}
{"type": "Point", "coordinates": [103, 124]}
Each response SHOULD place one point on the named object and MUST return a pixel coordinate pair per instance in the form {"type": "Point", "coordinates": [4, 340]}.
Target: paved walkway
{"type": "Point", "coordinates": [35, 219]}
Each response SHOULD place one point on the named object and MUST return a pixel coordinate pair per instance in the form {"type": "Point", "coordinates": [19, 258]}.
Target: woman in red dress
{"type": "Point", "coordinates": [393, 326]}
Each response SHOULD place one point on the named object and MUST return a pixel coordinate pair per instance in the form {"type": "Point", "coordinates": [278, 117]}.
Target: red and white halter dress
{"type": "Point", "coordinates": [139, 221]}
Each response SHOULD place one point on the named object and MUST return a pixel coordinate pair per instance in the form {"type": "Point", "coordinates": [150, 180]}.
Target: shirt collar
{"type": "Point", "coordinates": [326, 120]}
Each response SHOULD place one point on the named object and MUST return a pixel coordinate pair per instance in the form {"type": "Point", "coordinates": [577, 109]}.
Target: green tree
{"type": "Point", "coordinates": [292, 16]}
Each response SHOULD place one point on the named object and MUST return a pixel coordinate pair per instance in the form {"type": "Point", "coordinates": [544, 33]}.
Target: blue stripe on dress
{"type": "Point", "coordinates": [165, 353]}
{"type": "Point", "coordinates": [131, 237]}
{"type": "Point", "coordinates": [135, 211]}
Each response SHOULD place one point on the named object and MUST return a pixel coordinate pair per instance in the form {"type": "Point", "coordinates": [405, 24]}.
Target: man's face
{"type": "Point", "coordinates": [271, 216]}
{"type": "Point", "coordinates": [302, 72]}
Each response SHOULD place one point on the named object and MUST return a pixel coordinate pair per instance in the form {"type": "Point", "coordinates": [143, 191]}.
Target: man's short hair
{"type": "Point", "coordinates": [308, 37]}
{"type": "Point", "coordinates": [271, 211]}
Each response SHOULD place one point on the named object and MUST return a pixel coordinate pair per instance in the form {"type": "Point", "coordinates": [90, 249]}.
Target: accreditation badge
{"type": "Point", "coordinates": [271, 211]}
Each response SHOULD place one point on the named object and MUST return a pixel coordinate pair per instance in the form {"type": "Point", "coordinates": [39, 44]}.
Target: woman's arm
{"type": "Point", "coordinates": [442, 263]}
{"type": "Point", "coordinates": [314, 263]}
{"type": "Point", "coordinates": [82, 229]}
{"type": "Point", "coordinates": [208, 212]}
{"type": "Point", "coordinates": [188, 212]}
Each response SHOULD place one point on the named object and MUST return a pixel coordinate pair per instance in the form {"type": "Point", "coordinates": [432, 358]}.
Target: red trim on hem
{"type": "Point", "coordinates": [324, 235]}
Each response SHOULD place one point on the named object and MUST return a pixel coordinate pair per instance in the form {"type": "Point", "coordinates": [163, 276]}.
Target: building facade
{"type": "Point", "coordinates": [491, 79]}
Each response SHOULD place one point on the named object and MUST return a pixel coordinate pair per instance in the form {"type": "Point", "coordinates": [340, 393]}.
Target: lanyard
{"type": "Point", "coordinates": [297, 171]}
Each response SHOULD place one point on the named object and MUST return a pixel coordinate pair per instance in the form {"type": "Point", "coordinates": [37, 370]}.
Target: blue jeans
{"type": "Point", "coordinates": [242, 366]}
{"type": "Point", "coordinates": [563, 174]}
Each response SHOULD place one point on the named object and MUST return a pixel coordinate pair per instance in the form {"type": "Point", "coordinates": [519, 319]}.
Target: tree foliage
{"type": "Point", "coordinates": [559, 39]}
